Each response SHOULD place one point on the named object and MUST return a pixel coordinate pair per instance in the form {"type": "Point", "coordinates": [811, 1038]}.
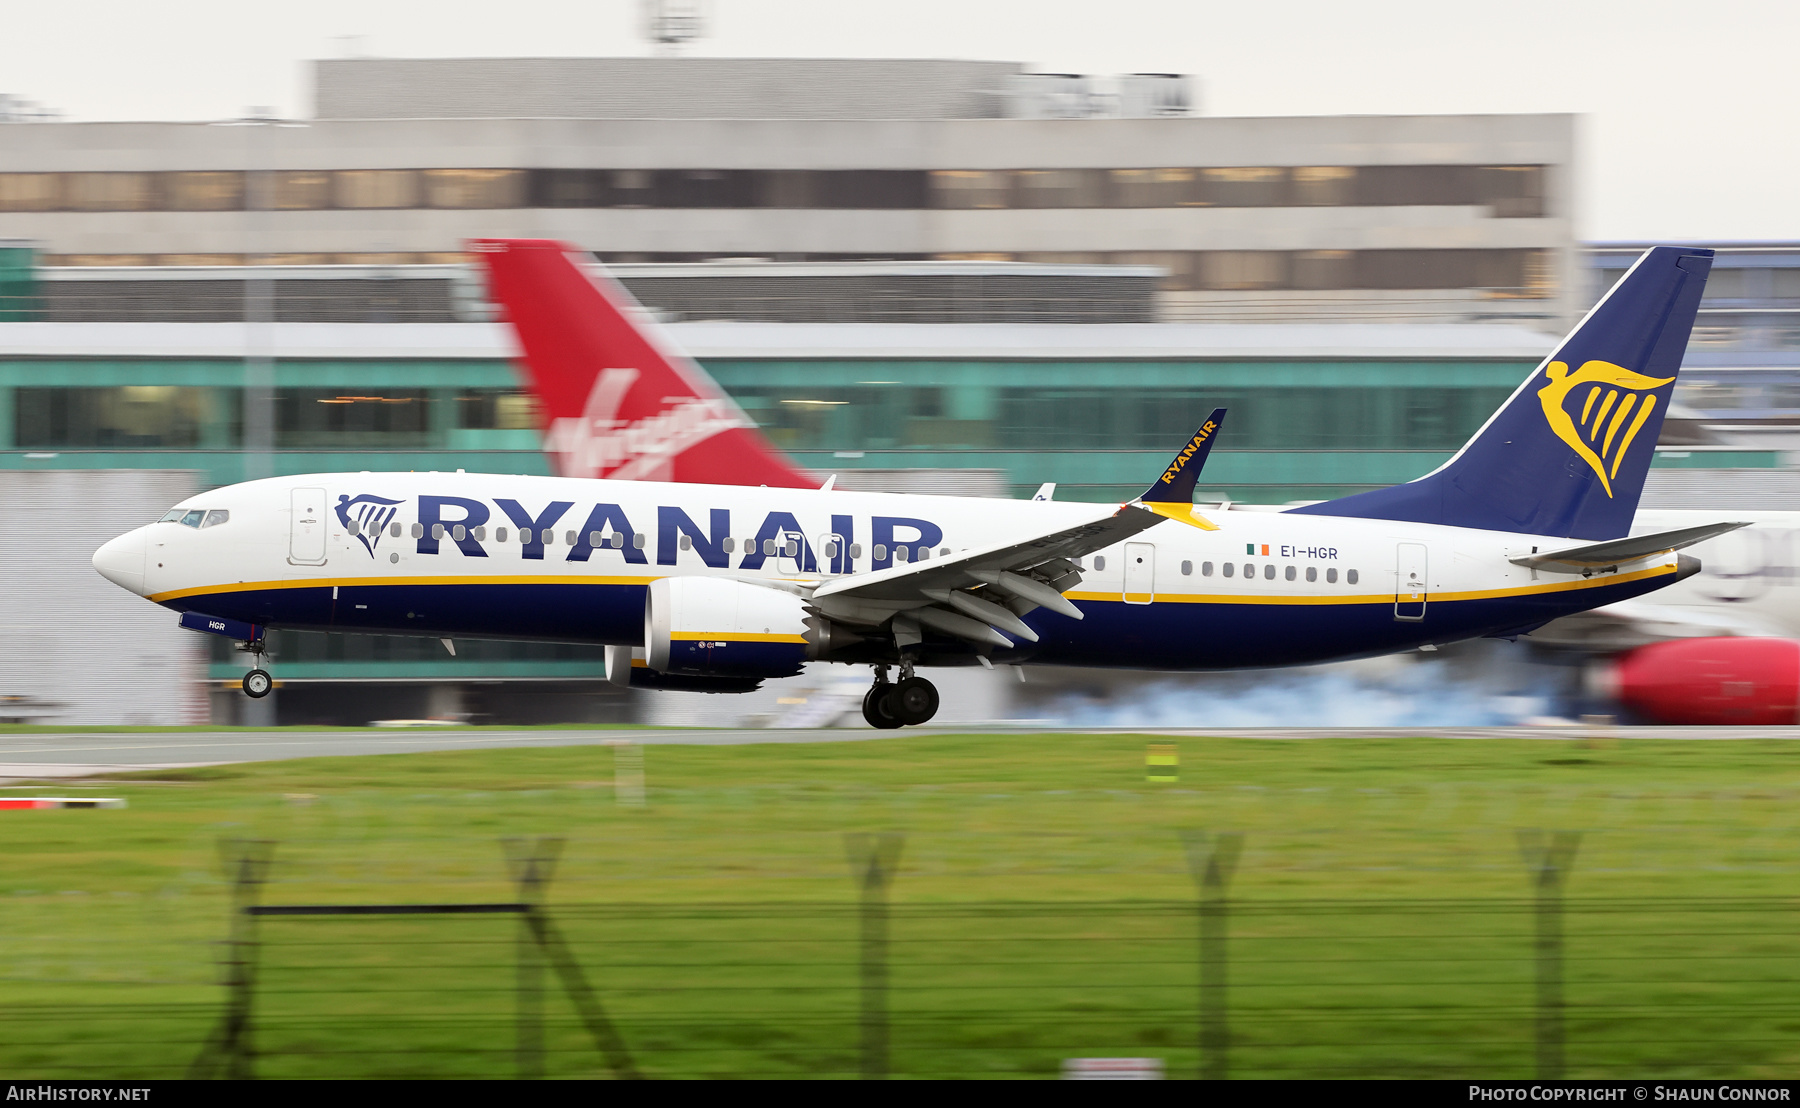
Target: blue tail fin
{"type": "Point", "coordinates": [1567, 453]}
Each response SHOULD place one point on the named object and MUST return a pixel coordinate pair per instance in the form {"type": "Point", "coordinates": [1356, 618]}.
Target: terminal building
{"type": "Point", "coordinates": [1452, 218]}
{"type": "Point", "coordinates": [919, 276]}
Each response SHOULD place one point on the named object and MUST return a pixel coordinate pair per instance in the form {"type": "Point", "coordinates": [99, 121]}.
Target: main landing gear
{"type": "Point", "coordinates": [908, 703]}
{"type": "Point", "coordinates": [257, 682]}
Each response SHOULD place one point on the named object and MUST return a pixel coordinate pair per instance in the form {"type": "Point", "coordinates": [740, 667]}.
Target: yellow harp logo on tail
{"type": "Point", "coordinates": [1614, 406]}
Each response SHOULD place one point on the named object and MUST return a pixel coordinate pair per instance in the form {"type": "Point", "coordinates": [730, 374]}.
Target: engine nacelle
{"type": "Point", "coordinates": [1746, 681]}
{"type": "Point", "coordinates": [714, 627]}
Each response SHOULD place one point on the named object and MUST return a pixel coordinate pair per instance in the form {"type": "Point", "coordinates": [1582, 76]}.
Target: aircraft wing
{"type": "Point", "coordinates": [968, 595]}
{"type": "Point", "coordinates": [1615, 552]}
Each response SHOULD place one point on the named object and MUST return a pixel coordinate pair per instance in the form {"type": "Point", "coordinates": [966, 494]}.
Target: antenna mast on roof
{"type": "Point", "coordinates": [671, 24]}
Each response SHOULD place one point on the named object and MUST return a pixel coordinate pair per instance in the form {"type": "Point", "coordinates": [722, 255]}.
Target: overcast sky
{"type": "Point", "coordinates": [1688, 130]}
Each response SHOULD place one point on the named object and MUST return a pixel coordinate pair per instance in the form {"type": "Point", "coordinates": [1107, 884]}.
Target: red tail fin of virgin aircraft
{"type": "Point", "coordinates": [618, 400]}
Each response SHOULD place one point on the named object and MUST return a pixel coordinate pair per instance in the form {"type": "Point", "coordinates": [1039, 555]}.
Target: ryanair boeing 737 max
{"type": "Point", "coordinates": [720, 586]}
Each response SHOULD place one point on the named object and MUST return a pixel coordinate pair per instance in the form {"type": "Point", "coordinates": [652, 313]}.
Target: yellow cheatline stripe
{"type": "Point", "coordinates": [1596, 581]}
{"type": "Point", "coordinates": [1181, 513]}
{"type": "Point", "coordinates": [713, 636]}
{"type": "Point", "coordinates": [364, 582]}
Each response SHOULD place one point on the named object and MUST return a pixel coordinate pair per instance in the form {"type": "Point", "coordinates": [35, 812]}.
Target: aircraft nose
{"type": "Point", "coordinates": [121, 561]}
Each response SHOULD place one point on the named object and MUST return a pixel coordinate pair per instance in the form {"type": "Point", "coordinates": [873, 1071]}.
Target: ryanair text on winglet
{"type": "Point", "coordinates": [1205, 432]}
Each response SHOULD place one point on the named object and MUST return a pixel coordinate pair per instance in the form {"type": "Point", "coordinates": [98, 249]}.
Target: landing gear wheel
{"type": "Point", "coordinates": [913, 701]}
{"type": "Point", "coordinates": [878, 707]}
{"type": "Point", "coordinates": [257, 684]}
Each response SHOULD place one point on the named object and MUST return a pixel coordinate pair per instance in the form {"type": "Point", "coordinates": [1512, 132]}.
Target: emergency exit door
{"type": "Point", "coordinates": [306, 534]}
{"type": "Point", "coordinates": [1140, 572]}
{"type": "Point", "coordinates": [1409, 581]}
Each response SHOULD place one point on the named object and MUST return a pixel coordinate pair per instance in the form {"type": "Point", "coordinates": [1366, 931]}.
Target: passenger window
{"type": "Point", "coordinates": [437, 530]}
{"type": "Point", "coordinates": [568, 538]}
{"type": "Point", "coordinates": [1187, 569]}
{"type": "Point", "coordinates": [1099, 563]}
{"type": "Point", "coordinates": [499, 534]}
{"type": "Point", "coordinates": [549, 537]}
{"type": "Point", "coordinates": [1269, 573]}
{"type": "Point", "coordinates": [1331, 576]}
{"type": "Point", "coordinates": [944, 551]}
{"type": "Point", "coordinates": [458, 533]}
{"type": "Point", "coordinates": [1078, 562]}
{"type": "Point", "coordinates": [901, 553]}
{"type": "Point", "coordinates": [480, 534]}
{"type": "Point", "coordinates": [193, 518]}
{"type": "Point", "coordinates": [638, 539]}
{"type": "Point", "coordinates": [218, 516]}
{"type": "Point", "coordinates": [880, 552]}
{"type": "Point", "coordinates": [595, 538]}
{"type": "Point", "coordinates": [418, 530]}
{"type": "Point", "coordinates": [1290, 573]}
{"type": "Point", "coordinates": [1206, 569]}
{"type": "Point", "coordinates": [1350, 576]}
{"type": "Point", "coordinates": [353, 528]}
{"type": "Point", "coordinates": [394, 530]}
{"type": "Point", "coordinates": [1312, 573]}
{"type": "Point", "coordinates": [1230, 568]}
{"type": "Point", "coordinates": [1249, 570]}
{"type": "Point", "coordinates": [730, 544]}
{"type": "Point", "coordinates": [792, 550]}
{"type": "Point", "coordinates": [687, 541]}
{"type": "Point", "coordinates": [924, 553]}
{"type": "Point", "coordinates": [855, 550]}
{"type": "Point", "coordinates": [768, 548]}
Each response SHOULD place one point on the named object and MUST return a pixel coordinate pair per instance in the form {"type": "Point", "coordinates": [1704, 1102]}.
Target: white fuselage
{"type": "Point", "coordinates": [1262, 589]}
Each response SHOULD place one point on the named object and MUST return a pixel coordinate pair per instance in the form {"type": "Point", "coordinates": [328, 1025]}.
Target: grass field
{"type": "Point", "coordinates": [1381, 917]}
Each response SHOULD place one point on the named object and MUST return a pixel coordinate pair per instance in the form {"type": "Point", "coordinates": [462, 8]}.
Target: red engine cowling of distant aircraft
{"type": "Point", "coordinates": [716, 627]}
{"type": "Point", "coordinates": [1714, 680]}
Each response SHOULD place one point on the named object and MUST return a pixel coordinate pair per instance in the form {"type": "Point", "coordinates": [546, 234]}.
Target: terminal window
{"type": "Point", "coordinates": [126, 417]}
{"type": "Point", "coordinates": [1501, 191]}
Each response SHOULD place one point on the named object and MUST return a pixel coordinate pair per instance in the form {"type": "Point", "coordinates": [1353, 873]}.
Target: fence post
{"type": "Point", "coordinates": [873, 859]}
{"type": "Point", "coordinates": [246, 865]}
{"type": "Point", "coordinates": [1212, 859]}
{"type": "Point", "coordinates": [531, 864]}
{"type": "Point", "coordinates": [1548, 858]}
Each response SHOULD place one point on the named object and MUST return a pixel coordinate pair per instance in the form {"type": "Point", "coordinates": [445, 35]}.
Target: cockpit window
{"type": "Point", "coordinates": [174, 516]}
{"type": "Point", "coordinates": [193, 518]}
{"type": "Point", "coordinates": [215, 517]}
{"type": "Point", "coordinates": [187, 517]}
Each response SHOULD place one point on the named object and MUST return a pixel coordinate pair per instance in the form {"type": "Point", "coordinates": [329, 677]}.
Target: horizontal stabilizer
{"type": "Point", "coordinates": [1601, 555]}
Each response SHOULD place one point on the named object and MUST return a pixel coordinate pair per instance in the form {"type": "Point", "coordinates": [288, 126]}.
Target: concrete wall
{"type": "Point", "coordinates": [69, 638]}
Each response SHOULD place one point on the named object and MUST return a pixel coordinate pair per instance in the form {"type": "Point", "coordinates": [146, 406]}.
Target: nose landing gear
{"type": "Point", "coordinates": [910, 702]}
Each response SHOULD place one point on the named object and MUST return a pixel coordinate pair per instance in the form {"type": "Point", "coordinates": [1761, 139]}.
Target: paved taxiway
{"type": "Point", "coordinates": [96, 753]}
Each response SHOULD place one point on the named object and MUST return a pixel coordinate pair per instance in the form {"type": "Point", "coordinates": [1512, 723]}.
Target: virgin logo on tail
{"type": "Point", "coordinates": [598, 443]}
{"type": "Point", "coordinates": [650, 414]}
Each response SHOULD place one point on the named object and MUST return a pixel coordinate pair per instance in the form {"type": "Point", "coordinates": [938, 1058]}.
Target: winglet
{"type": "Point", "coordinates": [1176, 485]}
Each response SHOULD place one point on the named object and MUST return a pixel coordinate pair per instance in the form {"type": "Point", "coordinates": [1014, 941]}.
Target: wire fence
{"type": "Point", "coordinates": [875, 984]}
